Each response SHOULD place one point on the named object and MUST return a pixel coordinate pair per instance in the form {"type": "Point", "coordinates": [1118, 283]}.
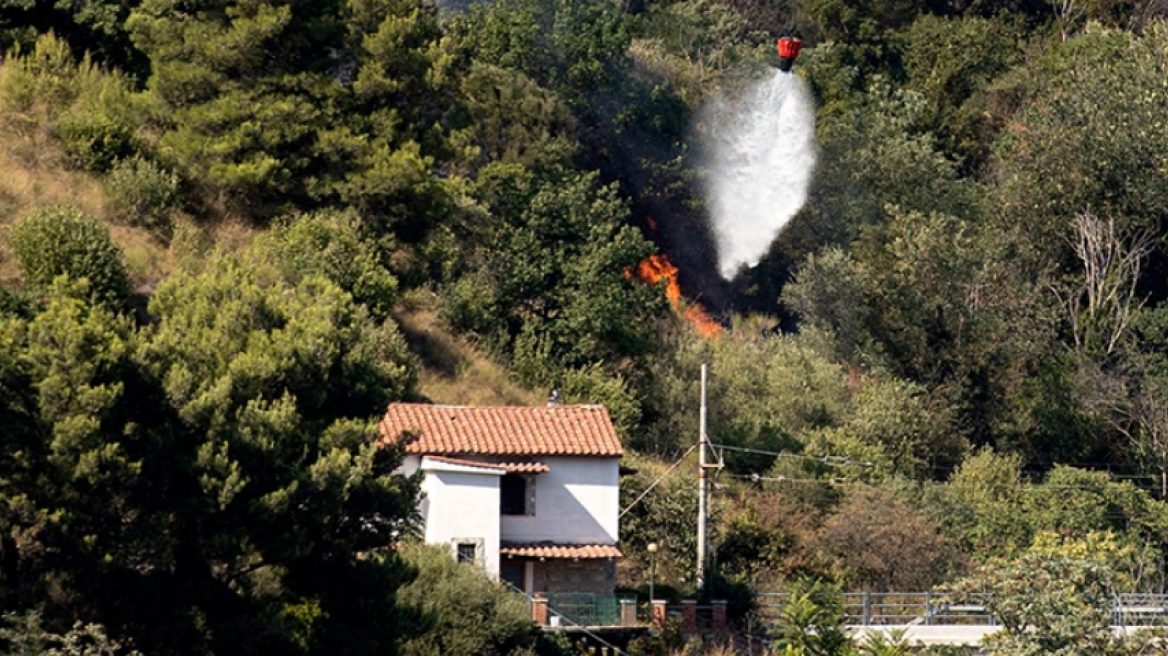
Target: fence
{"type": "Point", "coordinates": [892, 609]}
{"type": "Point", "coordinates": [586, 609]}
{"type": "Point", "coordinates": [933, 609]}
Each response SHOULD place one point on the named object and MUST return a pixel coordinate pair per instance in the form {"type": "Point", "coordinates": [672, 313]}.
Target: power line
{"type": "Point", "coordinates": [780, 479]}
{"type": "Point", "coordinates": [841, 461]}
{"type": "Point", "coordinates": [659, 479]}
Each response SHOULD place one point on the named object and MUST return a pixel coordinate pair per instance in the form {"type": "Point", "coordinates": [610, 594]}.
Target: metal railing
{"type": "Point", "coordinates": [934, 609]}
{"type": "Point", "coordinates": [586, 609]}
{"type": "Point", "coordinates": [1140, 610]}
{"type": "Point", "coordinates": [892, 609]}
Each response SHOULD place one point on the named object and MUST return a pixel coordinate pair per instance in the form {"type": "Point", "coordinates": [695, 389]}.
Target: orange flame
{"type": "Point", "coordinates": [656, 268]}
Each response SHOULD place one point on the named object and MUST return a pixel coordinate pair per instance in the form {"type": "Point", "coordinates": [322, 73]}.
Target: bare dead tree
{"type": "Point", "coordinates": [1102, 307]}
{"type": "Point", "coordinates": [1143, 12]}
{"type": "Point", "coordinates": [1066, 14]}
{"type": "Point", "coordinates": [1136, 407]}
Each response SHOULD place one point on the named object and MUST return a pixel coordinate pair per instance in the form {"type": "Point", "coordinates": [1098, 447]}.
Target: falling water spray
{"type": "Point", "coordinates": [759, 157]}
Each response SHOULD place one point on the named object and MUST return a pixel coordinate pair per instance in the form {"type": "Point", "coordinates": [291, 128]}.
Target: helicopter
{"type": "Point", "coordinates": [788, 47]}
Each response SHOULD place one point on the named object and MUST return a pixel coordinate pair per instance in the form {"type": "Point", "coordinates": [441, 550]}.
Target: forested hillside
{"type": "Point", "coordinates": [231, 232]}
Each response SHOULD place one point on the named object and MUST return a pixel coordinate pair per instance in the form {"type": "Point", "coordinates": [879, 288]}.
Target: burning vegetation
{"type": "Point", "coordinates": [656, 268]}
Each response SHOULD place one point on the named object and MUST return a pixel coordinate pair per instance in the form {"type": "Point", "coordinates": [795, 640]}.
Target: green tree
{"type": "Point", "coordinates": [891, 426]}
{"type": "Point", "coordinates": [546, 279]}
{"type": "Point", "coordinates": [513, 120]}
{"type": "Point", "coordinates": [982, 505]}
{"type": "Point", "coordinates": [254, 106]}
{"type": "Point", "coordinates": [765, 391]}
{"type": "Point", "coordinates": [876, 541]}
{"type": "Point", "coordinates": [211, 482]}
{"type": "Point", "coordinates": [877, 160]}
{"type": "Point", "coordinates": [571, 47]}
{"type": "Point", "coordinates": [666, 515]}
{"type": "Point", "coordinates": [1083, 143]}
{"type": "Point", "coordinates": [96, 27]}
{"type": "Point", "coordinates": [332, 246]}
{"type": "Point", "coordinates": [23, 635]}
{"type": "Point", "coordinates": [1048, 604]}
{"type": "Point", "coordinates": [952, 62]}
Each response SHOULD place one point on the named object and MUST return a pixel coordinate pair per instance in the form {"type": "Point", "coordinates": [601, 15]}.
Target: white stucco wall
{"type": "Point", "coordinates": [462, 503]}
{"type": "Point", "coordinates": [578, 502]}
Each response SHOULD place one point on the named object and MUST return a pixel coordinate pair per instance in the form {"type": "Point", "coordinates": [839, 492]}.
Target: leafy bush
{"type": "Point", "coordinates": [458, 611]}
{"type": "Point", "coordinates": [812, 622]}
{"type": "Point", "coordinates": [90, 112]}
{"type": "Point", "coordinates": [144, 191]}
{"type": "Point", "coordinates": [44, 81]}
{"type": "Point", "coordinates": [55, 241]}
{"type": "Point", "coordinates": [23, 635]}
{"type": "Point", "coordinates": [1047, 604]}
{"type": "Point", "coordinates": [94, 140]}
{"type": "Point", "coordinates": [331, 245]}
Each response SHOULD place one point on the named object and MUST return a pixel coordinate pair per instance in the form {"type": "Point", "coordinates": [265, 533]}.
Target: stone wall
{"type": "Point", "coordinates": [564, 575]}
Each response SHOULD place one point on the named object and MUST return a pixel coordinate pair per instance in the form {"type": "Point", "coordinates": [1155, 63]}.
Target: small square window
{"type": "Point", "coordinates": [467, 553]}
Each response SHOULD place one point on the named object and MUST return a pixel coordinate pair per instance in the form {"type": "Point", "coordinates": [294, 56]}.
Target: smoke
{"type": "Point", "coordinates": [759, 152]}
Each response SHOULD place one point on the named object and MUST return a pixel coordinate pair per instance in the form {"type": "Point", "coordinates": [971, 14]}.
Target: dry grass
{"type": "Point", "coordinates": [28, 181]}
{"type": "Point", "coordinates": [34, 172]}
{"type": "Point", "coordinates": [454, 371]}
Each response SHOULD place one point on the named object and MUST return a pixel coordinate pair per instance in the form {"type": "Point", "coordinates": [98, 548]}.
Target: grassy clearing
{"type": "Point", "coordinates": [34, 172]}
{"type": "Point", "coordinates": [454, 371]}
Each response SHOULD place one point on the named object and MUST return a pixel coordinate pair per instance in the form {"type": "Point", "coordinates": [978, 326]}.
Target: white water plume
{"type": "Point", "coordinates": [759, 157]}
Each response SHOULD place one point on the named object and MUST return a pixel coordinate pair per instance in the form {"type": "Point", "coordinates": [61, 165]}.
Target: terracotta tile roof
{"type": "Point", "coordinates": [550, 550]}
{"type": "Point", "coordinates": [525, 467]}
{"type": "Point", "coordinates": [563, 430]}
{"type": "Point", "coordinates": [468, 463]}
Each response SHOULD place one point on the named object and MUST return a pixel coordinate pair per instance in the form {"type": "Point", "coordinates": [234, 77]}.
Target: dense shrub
{"type": "Point", "coordinates": [92, 113]}
{"type": "Point", "coordinates": [457, 610]}
{"type": "Point", "coordinates": [331, 245]}
{"type": "Point", "coordinates": [55, 241]}
{"type": "Point", "coordinates": [144, 191]}
{"type": "Point", "coordinates": [25, 635]}
{"type": "Point", "coordinates": [94, 141]}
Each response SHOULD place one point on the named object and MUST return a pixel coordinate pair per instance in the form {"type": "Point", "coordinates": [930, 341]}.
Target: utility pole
{"type": "Point", "coordinates": [703, 491]}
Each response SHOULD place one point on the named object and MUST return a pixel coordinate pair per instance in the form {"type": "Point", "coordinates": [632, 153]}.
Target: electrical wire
{"type": "Point", "coordinates": [841, 461]}
{"type": "Point", "coordinates": [784, 479]}
{"type": "Point", "coordinates": [659, 479]}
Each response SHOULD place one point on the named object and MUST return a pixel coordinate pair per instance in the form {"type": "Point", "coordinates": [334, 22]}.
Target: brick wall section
{"type": "Point", "coordinates": [660, 613]}
{"type": "Point", "coordinates": [628, 610]}
{"type": "Point", "coordinates": [539, 609]}
{"type": "Point", "coordinates": [564, 575]}
{"type": "Point", "coordinates": [719, 617]}
{"type": "Point", "coordinates": [689, 616]}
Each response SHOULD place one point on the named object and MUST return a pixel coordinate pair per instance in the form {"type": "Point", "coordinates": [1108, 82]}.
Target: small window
{"type": "Point", "coordinates": [467, 552]}
{"type": "Point", "coordinates": [513, 495]}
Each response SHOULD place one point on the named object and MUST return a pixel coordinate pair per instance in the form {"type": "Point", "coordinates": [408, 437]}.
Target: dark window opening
{"type": "Point", "coordinates": [466, 553]}
{"type": "Point", "coordinates": [512, 572]}
{"type": "Point", "coordinates": [513, 495]}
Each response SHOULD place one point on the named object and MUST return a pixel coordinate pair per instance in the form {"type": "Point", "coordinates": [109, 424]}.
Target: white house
{"type": "Point", "coordinates": [530, 493]}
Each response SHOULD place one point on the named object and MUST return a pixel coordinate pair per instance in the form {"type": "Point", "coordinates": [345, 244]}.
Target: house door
{"type": "Point", "coordinates": [511, 571]}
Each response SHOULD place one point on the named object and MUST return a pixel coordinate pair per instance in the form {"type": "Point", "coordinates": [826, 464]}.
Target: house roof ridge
{"type": "Point", "coordinates": [456, 406]}
{"type": "Point", "coordinates": [458, 430]}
